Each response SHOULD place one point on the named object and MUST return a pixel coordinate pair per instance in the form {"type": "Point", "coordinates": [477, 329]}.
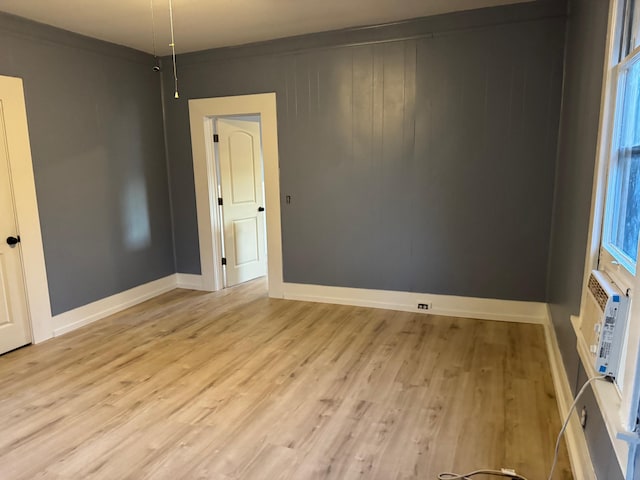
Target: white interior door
{"type": "Point", "coordinates": [240, 154]}
{"type": "Point", "coordinates": [14, 318]}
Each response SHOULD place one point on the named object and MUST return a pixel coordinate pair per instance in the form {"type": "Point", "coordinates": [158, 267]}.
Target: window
{"type": "Point", "coordinates": [622, 222]}
{"type": "Point", "coordinates": [622, 214]}
{"type": "Point", "coordinates": [618, 189]}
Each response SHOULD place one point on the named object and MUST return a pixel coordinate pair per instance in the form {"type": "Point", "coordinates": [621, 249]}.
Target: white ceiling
{"type": "Point", "coordinates": [202, 24]}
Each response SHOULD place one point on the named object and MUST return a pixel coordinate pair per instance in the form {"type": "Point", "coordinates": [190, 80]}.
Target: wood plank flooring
{"type": "Point", "coordinates": [234, 385]}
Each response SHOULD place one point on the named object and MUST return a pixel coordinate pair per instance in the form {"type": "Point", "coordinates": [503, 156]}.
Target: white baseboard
{"type": "Point", "coordinates": [448, 305]}
{"type": "Point", "coordinates": [579, 456]}
{"type": "Point", "coordinates": [189, 281]}
{"type": "Point", "coordinates": [78, 317]}
{"type": "Point", "coordinates": [482, 308]}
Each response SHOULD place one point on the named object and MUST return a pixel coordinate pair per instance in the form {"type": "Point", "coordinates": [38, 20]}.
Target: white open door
{"type": "Point", "coordinates": [240, 155]}
{"type": "Point", "coordinates": [14, 317]}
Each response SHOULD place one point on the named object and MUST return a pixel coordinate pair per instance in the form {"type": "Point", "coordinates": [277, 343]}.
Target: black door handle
{"type": "Point", "coordinates": [261, 209]}
{"type": "Point", "coordinates": [13, 240]}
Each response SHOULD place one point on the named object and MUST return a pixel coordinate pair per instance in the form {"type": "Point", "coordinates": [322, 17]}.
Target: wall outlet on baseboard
{"type": "Point", "coordinates": [424, 306]}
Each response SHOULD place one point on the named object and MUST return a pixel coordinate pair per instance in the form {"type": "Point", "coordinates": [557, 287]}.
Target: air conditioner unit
{"type": "Point", "coordinates": [604, 323]}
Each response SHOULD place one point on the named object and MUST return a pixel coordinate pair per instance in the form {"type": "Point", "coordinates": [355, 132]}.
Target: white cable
{"type": "Point", "coordinates": [511, 473]}
{"type": "Point", "coordinates": [467, 476]}
{"type": "Point", "coordinates": [173, 50]}
{"type": "Point", "coordinates": [568, 418]}
{"type": "Point", "coordinates": [153, 30]}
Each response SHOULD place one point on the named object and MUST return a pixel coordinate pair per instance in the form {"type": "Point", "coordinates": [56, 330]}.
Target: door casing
{"type": "Point", "coordinates": [201, 113]}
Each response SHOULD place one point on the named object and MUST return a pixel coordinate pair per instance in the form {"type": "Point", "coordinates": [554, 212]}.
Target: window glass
{"type": "Point", "coordinates": [628, 240]}
{"type": "Point", "coordinates": [624, 192]}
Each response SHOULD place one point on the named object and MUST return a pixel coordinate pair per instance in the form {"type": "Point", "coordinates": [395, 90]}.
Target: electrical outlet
{"type": "Point", "coordinates": [583, 417]}
{"type": "Point", "coordinates": [424, 306]}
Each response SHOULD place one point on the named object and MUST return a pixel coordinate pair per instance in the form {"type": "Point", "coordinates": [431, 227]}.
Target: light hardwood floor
{"type": "Point", "coordinates": [234, 385]}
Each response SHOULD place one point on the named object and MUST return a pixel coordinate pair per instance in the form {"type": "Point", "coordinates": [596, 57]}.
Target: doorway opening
{"type": "Point", "coordinates": [220, 231]}
{"type": "Point", "coordinates": [238, 160]}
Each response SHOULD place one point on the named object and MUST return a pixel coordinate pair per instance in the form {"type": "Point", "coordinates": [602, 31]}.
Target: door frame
{"type": "Point", "coordinates": [26, 208]}
{"type": "Point", "coordinates": [201, 113]}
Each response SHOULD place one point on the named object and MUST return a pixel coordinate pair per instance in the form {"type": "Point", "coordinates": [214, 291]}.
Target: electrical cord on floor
{"type": "Point", "coordinates": [511, 474]}
{"type": "Point", "coordinates": [568, 418]}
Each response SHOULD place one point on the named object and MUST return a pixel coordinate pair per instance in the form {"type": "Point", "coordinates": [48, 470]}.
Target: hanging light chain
{"type": "Point", "coordinates": [153, 30]}
{"type": "Point", "coordinates": [173, 50]}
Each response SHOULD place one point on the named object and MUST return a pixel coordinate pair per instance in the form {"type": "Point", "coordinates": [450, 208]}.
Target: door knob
{"type": "Point", "coordinates": [261, 209]}
{"type": "Point", "coordinates": [13, 240]}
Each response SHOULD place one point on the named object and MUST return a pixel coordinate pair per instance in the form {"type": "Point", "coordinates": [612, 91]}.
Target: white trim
{"type": "Point", "coordinates": [200, 113]}
{"type": "Point", "coordinates": [579, 456]}
{"type": "Point", "coordinates": [188, 281]}
{"type": "Point", "coordinates": [622, 277]}
{"type": "Point", "coordinates": [26, 206]}
{"type": "Point", "coordinates": [81, 316]}
{"type": "Point", "coordinates": [212, 185]}
{"type": "Point", "coordinates": [448, 305]}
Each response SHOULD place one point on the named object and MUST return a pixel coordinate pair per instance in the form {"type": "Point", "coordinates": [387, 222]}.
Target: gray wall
{"type": "Point", "coordinates": [95, 123]}
{"type": "Point", "coordinates": [584, 61]}
{"type": "Point", "coordinates": [419, 156]}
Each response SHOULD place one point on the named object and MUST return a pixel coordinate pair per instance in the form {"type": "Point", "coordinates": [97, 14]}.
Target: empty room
{"type": "Point", "coordinates": [270, 239]}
